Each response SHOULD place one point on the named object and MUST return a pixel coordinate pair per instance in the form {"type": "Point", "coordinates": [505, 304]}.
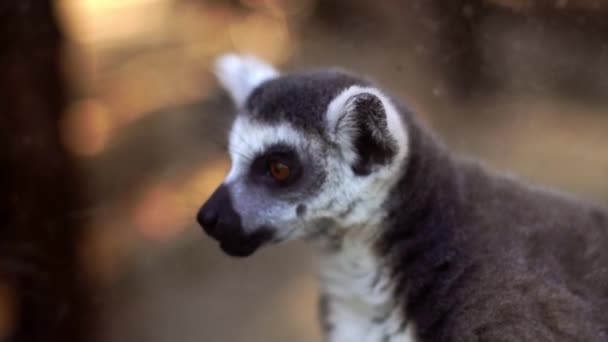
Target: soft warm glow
{"type": "Point", "coordinates": [263, 35]}
{"type": "Point", "coordinates": [157, 213]}
{"type": "Point", "coordinates": [92, 21]}
{"type": "Point", "coordinates": [85, 128]}
{"type": "Point", "coordinates": [146, 55]}
{"type": "Point", "coordinates": [282, 7]}
{"type": "Point", "coordinates": [155, 82]}
{"type": "Point", "coordinates": [105, 247]}
{"type": "Point", "coordinates": [164, 209]}
{"type": "Point", "coordinates": [197, 188]}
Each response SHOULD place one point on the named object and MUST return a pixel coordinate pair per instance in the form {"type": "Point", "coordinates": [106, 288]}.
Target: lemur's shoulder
{"type": "Point", "coordinates": [472, 248]}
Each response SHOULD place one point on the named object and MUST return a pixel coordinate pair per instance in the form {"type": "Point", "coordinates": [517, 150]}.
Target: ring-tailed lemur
{"type": "Point", "coordinates": [415, 244]}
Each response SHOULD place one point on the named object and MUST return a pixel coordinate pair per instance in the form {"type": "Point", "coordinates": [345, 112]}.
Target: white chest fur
{"type": "Point", "coordinates": [359, 302]}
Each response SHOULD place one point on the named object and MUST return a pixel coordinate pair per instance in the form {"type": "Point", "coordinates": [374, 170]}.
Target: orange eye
{"type": "Point", "coordinates": [278, 170]}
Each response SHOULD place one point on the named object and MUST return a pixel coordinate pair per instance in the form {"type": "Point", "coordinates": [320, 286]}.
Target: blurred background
{"type": "Point", "coordinates": [521, 84]}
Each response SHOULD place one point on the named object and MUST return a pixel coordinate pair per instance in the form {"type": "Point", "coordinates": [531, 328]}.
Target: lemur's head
{"type": "Point", "coordinates": [313, 156]}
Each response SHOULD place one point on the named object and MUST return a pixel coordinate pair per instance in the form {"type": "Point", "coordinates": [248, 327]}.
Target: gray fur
{"type": "Point", "coordinates": [300, 99]}
{"type": "Point", "coordinates": [482, 256]}
{"type": "Point", "coordinates": [466, 253]}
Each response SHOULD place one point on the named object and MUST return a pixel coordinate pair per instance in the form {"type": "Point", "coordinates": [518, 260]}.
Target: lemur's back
{"type": "Point", "coordinates": [503, 261]}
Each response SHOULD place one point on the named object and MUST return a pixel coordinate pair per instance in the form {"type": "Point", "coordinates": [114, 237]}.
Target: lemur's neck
{"type": "Point", "coordinates": [357, 293]}
{"type": "Point", "coordinates": [366, 281]}
{"type": "Point", "coordinates": [419, 241]}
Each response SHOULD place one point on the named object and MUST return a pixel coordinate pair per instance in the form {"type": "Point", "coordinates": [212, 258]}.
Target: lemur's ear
{"type": "Point", "coordinates": [240, 74]}
{"type": "Point", "coordinates": [367, 127]}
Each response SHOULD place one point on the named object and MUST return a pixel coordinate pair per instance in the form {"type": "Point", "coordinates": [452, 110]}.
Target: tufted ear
{"type": "Point", "coordinates": [240, 74]}
{"type": "Point", "coordinates": [367, 127]}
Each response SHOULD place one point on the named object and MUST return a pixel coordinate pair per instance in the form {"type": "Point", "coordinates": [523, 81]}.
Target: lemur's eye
{"type": "Point", "coordinates": [277, 168]}
{"type": "Point", "coordinates": [279, 171]}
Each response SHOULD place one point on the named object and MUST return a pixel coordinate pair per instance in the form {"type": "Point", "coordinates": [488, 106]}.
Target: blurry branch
{"type": "Point", "coordinates": [43, 297]}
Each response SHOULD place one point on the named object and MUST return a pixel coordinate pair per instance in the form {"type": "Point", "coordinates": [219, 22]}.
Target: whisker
{"type": "Point", "coordinates": [245, 156]}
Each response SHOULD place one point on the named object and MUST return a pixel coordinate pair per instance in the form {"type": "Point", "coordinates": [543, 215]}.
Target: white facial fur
{"type": "Point", "coordinates": [351, 202]}
{"type": "Point", "coordinates": [343, 192]}
{"type": "Point", "coordinates": [248, 139]}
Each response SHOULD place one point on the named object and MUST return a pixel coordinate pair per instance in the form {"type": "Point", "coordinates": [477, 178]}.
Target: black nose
{"type": "Point", "coordinates": [207, 216]}
{"type": "Point", "coordinates": [220, 220]}
{"type": "Point", "coordinates": [219, 205]}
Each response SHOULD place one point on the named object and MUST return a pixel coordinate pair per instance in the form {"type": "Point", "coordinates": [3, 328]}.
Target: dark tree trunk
{"type": "Point", "coordinates": [40, 191]}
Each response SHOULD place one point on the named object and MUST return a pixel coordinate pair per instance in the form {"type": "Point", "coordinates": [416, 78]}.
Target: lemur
{"type": "Point", "coordinates": [415, 243]}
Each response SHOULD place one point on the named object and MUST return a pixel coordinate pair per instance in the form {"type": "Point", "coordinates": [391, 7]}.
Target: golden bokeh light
{"type": "Point", "coordinates": [164, 209]}
{"type": "Point", "coordinates": [105, 247]}
{"type": "Point", "coordinates": [157, 215]}
{"type": "Point", "coordinates": [202, 29]}
{"type": "Point", "coordinates": [85, 127]}
{"type": "Point", "coordinates": [282, 7]}
{"type": "Point", "coordinates": [151, 83]}
{"type": "Point", "coordinates": [139, 56]}
{"type": "Point", "coordinates": [109, 21]}
{"type": "Point", "coordinates": [263, 35]}
{"type": "Point", "coordinates": [197, 188]}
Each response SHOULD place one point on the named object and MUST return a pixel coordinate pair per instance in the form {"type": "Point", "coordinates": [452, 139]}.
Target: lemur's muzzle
{"type": "Point", "coordinates": [220, 221]}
